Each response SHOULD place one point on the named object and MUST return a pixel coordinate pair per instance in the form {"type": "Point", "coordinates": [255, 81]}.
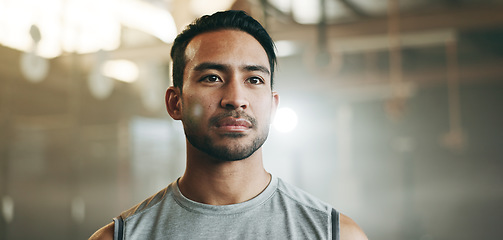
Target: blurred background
{"type": "Point", "coordinates": [390, 111]}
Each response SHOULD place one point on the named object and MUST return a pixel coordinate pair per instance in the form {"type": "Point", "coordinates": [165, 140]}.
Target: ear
{"type": "Point", "coordinates": [274, 105]}
{"type": "Point", "coordinates": [174, 102]}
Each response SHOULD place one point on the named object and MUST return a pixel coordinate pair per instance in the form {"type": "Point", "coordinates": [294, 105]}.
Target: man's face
{"type": "Point", "coordinates": [227, 101]}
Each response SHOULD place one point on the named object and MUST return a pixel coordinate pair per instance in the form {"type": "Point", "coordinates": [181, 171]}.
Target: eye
{"type": "Point", "coordinates": [255, 80]}
{"type": "Point", "coordinates": [211, 79]}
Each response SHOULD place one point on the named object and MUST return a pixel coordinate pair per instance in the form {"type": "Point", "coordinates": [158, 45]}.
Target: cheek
{"type": "Point", "coordinates": [195, 110]}
{"type": "Point", "coordinates": [192, 110]}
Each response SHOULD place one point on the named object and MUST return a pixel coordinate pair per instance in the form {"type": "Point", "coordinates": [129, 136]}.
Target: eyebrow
{"type": "Point", "coordinates": [260, 68]}
{"type": "Point", "coordinates": [225, 67]}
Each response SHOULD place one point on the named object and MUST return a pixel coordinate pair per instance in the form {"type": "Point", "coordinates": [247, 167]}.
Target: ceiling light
{"type": "Point", "coordinates": [203, 7]}
{"type": "Point", "coordinates": [147, 18]}
{"type": "Point", "coordinates": [282, 5]}
{"type": "Point", "coordinates": [81, 26]}
{"type": "Point", "coordinates": [286, 48]}
{"type": "Point", "coordinates": [122, 70]}
{"type": "Point", "coordinates": [306, 12]}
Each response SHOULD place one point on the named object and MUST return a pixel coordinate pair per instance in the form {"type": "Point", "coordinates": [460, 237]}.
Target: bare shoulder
{"type": "Point", "coordinates": [350, 230]}
{"type": "Point", "coordinates": [104, 233]}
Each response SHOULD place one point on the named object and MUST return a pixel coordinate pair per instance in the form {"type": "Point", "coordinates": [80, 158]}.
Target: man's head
{"type": "Point", "coordinates": [237, 20]}
{"type": "Point", "coordinates": [226, 77]}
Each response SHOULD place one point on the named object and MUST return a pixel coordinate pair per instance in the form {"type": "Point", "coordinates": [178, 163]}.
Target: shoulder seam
{"type": "Point", "coordinates": [301, 203]}
{"type": "Point", "coordinates": [136, 213]}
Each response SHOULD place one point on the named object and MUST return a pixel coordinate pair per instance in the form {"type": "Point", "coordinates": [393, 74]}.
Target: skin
{"type": "Point", "coordinates": [227, 104]}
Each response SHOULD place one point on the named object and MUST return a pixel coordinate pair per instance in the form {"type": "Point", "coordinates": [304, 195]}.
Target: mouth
{"type": "Point", "coordinates": [231, 124]}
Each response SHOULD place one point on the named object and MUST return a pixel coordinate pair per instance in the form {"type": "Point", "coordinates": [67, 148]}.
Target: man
{"type": "Point", "coordinates": [223, 68]}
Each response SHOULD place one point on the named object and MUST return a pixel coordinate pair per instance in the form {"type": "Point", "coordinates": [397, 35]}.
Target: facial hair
{"type": "Point", "coordinates": [228, 152]}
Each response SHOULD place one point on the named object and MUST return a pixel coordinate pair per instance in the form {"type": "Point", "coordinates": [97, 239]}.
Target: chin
{"type": "Point", "coordinates": [231, 146]}
{"type": "Point", "coordinates": [226, 154]}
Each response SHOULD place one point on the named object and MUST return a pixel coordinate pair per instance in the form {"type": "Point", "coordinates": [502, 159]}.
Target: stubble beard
{"type": "Point", "coordinates": [229, 152]}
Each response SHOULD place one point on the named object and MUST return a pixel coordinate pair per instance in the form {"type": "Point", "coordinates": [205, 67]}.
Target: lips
{"type": "Point", "coordinates": [230, 122]}
{"type": "Point", "coordinates": [233, 122]}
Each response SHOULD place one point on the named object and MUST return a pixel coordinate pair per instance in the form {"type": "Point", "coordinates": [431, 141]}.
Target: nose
{"type": "Point", "coordinates": [234, 96]}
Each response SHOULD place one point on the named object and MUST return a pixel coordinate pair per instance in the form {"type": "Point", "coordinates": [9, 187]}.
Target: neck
{"type": "Point", "coordinates": [215, 182]}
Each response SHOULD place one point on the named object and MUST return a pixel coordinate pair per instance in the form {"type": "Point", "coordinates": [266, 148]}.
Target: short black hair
{"type": "Point", "coordinates": [232, 19]}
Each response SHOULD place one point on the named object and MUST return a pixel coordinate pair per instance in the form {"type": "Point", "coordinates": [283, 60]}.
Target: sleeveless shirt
{"type": "Point", "coordinates": [281, 211]}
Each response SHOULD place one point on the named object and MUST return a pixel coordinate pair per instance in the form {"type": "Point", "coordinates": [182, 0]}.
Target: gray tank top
{"type": "Point", "coordinates": [281, 211]}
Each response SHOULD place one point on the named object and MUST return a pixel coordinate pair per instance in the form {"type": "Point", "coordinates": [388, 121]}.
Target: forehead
{"type": "Point", "coordinates": [226, 46]}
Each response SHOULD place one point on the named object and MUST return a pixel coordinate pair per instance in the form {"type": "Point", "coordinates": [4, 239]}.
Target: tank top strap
{"type": "Point", "coordinates": [335, 224]}
{"type": "Point", "coordinates": [118, 228]}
